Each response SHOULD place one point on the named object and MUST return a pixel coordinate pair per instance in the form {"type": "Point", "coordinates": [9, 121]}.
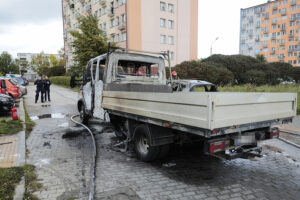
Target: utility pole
{"type": "Point", "coordinates": [211, 50]}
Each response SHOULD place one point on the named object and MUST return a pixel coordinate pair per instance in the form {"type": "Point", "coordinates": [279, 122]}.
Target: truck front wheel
{"type": "Point", "coordinates": [84, 118]}
{"type": "Point", "coordinates": [142, 144]}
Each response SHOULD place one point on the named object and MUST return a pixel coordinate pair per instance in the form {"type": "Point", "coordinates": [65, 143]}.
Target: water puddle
{"type": "Point", "coordinates": [54, 116]}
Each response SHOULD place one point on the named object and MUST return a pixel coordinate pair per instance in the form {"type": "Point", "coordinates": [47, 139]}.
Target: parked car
{"type": "Point", "coordinates": [9, 87]}
{"type": "Point", "coordinates": [21, 80]}
{"type": "Point", "coordinates": [193, 86]}
{"type": "Point", "coordinates": [6, 103]}
{"type": "Point", "coordinates": [22, 87]}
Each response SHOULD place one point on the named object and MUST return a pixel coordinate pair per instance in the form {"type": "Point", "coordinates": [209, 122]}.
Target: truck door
{"type": "Point", "coordinates": [87, 88]}
{"type": "Point", "coordinates": [99, 112]}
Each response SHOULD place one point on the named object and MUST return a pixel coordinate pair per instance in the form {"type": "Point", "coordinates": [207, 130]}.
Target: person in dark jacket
{"type": "Point", "coordinates": [39, 88]}
{"type": "Point", "coordinates": [47, 84]}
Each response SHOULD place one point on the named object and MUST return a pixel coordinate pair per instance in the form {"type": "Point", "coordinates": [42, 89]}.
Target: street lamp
{"type": "Point", "coordinates": [212, 44]}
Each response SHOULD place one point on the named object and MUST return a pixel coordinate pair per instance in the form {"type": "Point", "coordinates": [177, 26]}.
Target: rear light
{"type": "Point", "coordinates": [274, 133]}
{"type": "Point", "coordinates": [287, 121]}
{"type": "Point", "coordinates": [215, 147]}
{"type": "Point", "coordinates": [215, 131]}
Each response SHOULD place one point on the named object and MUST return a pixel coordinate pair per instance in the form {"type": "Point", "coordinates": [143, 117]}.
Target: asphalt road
{"type": "Point", "coordinates": [62, 154]}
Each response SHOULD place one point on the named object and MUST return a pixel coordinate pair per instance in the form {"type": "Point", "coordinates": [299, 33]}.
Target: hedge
{"type": "Point", "coordinates": [61, 80]}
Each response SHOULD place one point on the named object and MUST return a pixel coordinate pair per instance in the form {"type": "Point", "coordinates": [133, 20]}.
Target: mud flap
{"type": "Point", "coordinates": [99, 112]}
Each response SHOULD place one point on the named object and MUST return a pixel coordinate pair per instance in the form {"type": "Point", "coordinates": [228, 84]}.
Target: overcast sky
{"type": "Point", "coordinates": [36, 25]}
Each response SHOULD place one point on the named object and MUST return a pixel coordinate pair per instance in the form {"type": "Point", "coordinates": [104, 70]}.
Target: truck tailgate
{"type": "Point", "coordinates": [230, 109]}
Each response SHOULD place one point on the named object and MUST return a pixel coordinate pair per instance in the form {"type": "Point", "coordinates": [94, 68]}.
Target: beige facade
{"type": "Point", "coordinates": [149, 25]}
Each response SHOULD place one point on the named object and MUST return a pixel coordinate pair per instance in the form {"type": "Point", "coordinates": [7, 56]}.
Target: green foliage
{"type": "Point", "coordinates": [9, 178]}
{"type": "Point", "coordinates": [40, 63]}
{"type": "Point", "coordinates": [295, 88]}
{"type": "Point", "coordinates": [56, 71]}
{"type": "Point", "coordinates": [61, 80]}
{"type": "Point", "coordinates": [10, 126]}
{"type": "Point", "coordinates": [261, 58]}
{"type": "Point", "coordinates": [89, 41]}
{"type": "Point", "coordinates": [75, 70]}
{"type": "Point", "coordinates": [203, 71]}
{"type": "Point", "coordinates": [7, 64]}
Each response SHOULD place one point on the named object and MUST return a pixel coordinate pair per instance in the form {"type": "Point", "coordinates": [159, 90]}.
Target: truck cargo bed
{"type": "Point", "coordinates": [204, 110]}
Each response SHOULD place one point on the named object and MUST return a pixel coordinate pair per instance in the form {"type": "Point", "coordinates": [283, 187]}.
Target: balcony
{"type": "Point", "coordinates": [273, 37]}
{"type": "Point", "coordinates": [283, 12]}
{"type": "Point", "coordinates": [266, 16]}
{"type": "Point", "coordinates": [293, 3]}
{"type": "Point", "coordinates": [281, 58]}
{"type": "Point", "coordinates": [282, 28]}
{"type": "Point", "coordinates": [274, 22]}
{"type": "Point", "coordinates": [258, 25]}
{"type": "Point", "coordinates": [273, 51]}
{"type": "Point", "coordinates": [122, 26]}
{"type": "Point", "coordinates": [291, 50]}
{"type": "Point", "coordinates": [265, 45]}
{"type": "Point", "coordinates": [282, 43]}
{"type": "Point", "coordinates": [291, 35]}
{"type": "Point", "coordinates": [274, 8]}
{"type": "Point", "coordinates": [266, 31]}
{"type": "Point", "coordinates": [292, 19]}
{"type": "Point", "coordinates": [102, 2]}
{"type": "Point", "coordinates": [257, 38]}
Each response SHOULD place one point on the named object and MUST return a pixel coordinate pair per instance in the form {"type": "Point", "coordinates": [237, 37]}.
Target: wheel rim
{"type": "Point", "coordinates": [142, 144]}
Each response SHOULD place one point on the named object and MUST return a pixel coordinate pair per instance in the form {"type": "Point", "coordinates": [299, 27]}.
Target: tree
{"type": "Point", "coordinates": [40, 63]}
{"type": "Point", "coordinates": [7, 64]}
{"type": "Point", "coordinates": [89, 41]}
{"type": "Point", "coordinates": [53, 60]}
{"type": "Point", "coordinates": [261, 58]}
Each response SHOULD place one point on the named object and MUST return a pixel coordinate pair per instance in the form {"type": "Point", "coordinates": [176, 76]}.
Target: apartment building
{"type": "Point", "coordinates": [149, 25]}
{"type": "Point", "coordinates": [31, 74]}
{"type": "Point", "coordinates": [272, 29]}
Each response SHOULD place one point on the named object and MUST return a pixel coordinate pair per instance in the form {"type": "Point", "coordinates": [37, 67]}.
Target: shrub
{"type": "Point", "coordinates": [61, 80]}
{"type": "Point", "coordinates": [56, 71]}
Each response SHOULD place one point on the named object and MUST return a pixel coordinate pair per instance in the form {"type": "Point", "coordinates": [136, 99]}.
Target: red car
{"type": "Point", "coordinates": [10, 88]}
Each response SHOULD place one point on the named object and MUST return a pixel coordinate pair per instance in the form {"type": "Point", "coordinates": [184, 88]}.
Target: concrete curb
{"type": "Point", "coordinates": [289, 142]}
{"type": "Point", "coordinates": [20, 189]}
{"type": "Point", "coordinates": [290, 131]}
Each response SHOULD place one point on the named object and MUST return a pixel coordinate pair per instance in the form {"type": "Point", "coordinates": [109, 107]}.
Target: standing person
{"type": "Point", "coordinates": [39, 88]}
{"type": "Point", "coordinates": [47, 84]}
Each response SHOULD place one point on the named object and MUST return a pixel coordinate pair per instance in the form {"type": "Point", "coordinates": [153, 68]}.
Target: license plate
{"type": "Point", "coordinates": [245, 140]}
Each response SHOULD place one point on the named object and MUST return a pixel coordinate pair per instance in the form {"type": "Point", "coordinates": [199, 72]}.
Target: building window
{"type": "Point", "coordinates": [116, 3]}
{"type": "Point", "coordinates": [171, 8]}
{"type": "Point", "coordinates": [162, 23]}
{"type": "Point", "coordinates": [124, 36]}
{"type": "Point", "coordinates": [162, 6]}
{"type": "Point", "coordinates": [112, 23]}
{"type": "Point", "coordinates": [104, 26]}
{"type": "Point", "coordinates": [117, 21]}
{"type": "Point", "coordinates": [170, 24]}
{"type": "Point", "coordinates": [171, 40]}
{"type": "Point", "coordinates": [162, 39]}
{"type": "Point", "coordinates": [123, 19]}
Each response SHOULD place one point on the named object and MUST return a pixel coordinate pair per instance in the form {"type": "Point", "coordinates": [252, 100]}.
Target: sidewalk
{"type": "Point", "coordinates": [12, 147]}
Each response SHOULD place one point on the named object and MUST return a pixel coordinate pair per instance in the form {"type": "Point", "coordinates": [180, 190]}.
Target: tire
{"type": "Point", "coordinates": [145, 152]}
{"type": "Point", "coordinates": [84, 118]}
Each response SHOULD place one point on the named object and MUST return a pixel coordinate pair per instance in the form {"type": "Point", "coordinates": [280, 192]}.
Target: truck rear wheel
{"type": "Point", "coordinates": [142, 145]}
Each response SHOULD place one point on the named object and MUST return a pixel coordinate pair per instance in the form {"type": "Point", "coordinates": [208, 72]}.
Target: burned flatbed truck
{"type": "Point", "coordinates": [131, 91]}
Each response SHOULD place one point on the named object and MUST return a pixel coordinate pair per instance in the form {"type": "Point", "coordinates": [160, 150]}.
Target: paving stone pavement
{"type": "Point", "coordinates": [196, 176]}
{"type": "Point", "coordinates": [63, 165]}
